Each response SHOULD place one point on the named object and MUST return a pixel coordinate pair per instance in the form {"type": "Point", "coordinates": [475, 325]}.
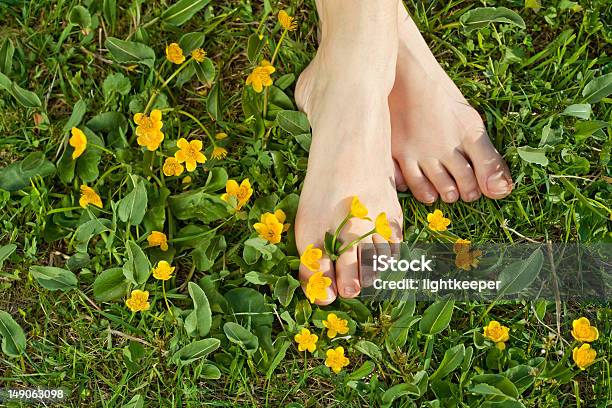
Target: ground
{"type": "Point", "coordinates": [542, 89]}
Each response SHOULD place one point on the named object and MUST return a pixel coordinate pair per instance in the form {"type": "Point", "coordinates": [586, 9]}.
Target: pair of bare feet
{"type": "Point", "coordinates": [385, 117]}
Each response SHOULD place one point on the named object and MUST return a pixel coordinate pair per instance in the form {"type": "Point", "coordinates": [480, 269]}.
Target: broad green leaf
{"type": "Point", "coordinates": [6, 57]}
{"type": "Point", "coordinates": [182, 11]}
{"type": "Point", "coordinates": [133, 206]}
{"type": "Point", "coordinates": [369, 349]}
{"type": "Point", "coordinates": [483, 16]}
{"type": "Point", "coordinates": [88, 230]}
{"type": "Point", "coordinates": [137, 269]}
{"type": "Point", "coordinates": [216, 180]}
{"type": "Point", "coordinates": [451, 361]}
{"type": "Point", "coordinates": [520, 274]}
{"type": "Point", "coordinates": [191, 41]}
{"type": "Point", "coordinates": [52, 278]}
{"type": "Point", "coordinates": [258, 278]}
{"type": "Point", "coordinates": [398, 391]}
{"type": "Point", "coordinates": [584, 129]}
{"type": "Point", "coordinates": [582, 111]}
{"type": "Point", "coordinates": [293, 122]}
{"type": "Point", "coordinates": [116, 83]}
{"type": "Point", "coordinates": [198, 205]}
{"type": "Point", "coordinates": [17, 175]}
{"type": "Point", "coordinates": [486, 389]}
{"type": "Point", "coordinates": [201, 315]}
{"type": "Point", "coordinates": [284, 289]}
{"type": "Point", "coordinates": [207, 251]}
{"type": "Point", "coordinates": [254, 46]}
{"type": "Point", "coordinates": [5, 83]}
{"type": "Point", "coordinates": [498, 381]}
{"type": "Point", "coordinates": [209, 371]}
{"type": "Point", "coordinates": [502, 404]}
{"type": "Point", "coordinates": [110, 285]}
{"type": "Point", "coordinates": [304, 140]}
{"type": "Point", "coordinates": [241, 336]}
{"type": "Point", "coordinates": [109, 9]}
{"type": "Point", "coordinates": [195, 351]}
{"type": "Point", "coordinates": [280, 356]}
{"type": "Point", "coordinates": [26, 98]}
{"type": "Point", "coordinates": [5, 252]}
{"type": "Point", "coordinates": [137, 401]}
{"type": "Point", "coordinates": [13, 337]}
{"type": "Point", "coordinates": [250, 310]}
{"type": "Point", "coordinates": [87, 163]}
{"type": "Point", "coordinates": [79, 110]}
{"type": "Point", "coordinates": [80, 16]}
{"type": "Point", "coordinates": [534, 155]}
{"type": "Point", "coordinates": [212, 102]}
{"type": "Point", "coordinates": [598, 88]}
{"type": "Point", "coordinates": [366, 369]}
{"type": "Point", "coordinates": [205, 70]}
{"type": "Point", "coordinates": [522, 376]}
{"type": "Point", "coordinates": [437, 317]}
{"type": "Point", "coordinates": [125, 52]}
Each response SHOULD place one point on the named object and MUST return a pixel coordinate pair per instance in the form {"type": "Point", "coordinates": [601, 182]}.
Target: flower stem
{"type": "Point", "coordinates": [166, 298]}
{"type": "Point", "coordinates": [156, 92]}
{"type": "Point", "coordinates": [339, 229]}
{"type": "Point", "coordinates": [190, 116]}
{"type": "Point", "coordinates": [355, 241]}
{"type": "Point", "coordinates": [280, 41]}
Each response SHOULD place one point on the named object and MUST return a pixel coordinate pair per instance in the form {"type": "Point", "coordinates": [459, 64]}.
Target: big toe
{"type": "Point", "coordinates": [491, 170]}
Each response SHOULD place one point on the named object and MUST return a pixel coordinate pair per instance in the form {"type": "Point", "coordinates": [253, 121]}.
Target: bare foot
{"type": "Point", "coordinates": [344, 92]}
{"type": "Point", "coordinates": [439, 141]}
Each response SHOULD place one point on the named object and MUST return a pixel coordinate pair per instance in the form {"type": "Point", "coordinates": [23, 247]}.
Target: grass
{"type": "Point", "coordinates": [521, 80]}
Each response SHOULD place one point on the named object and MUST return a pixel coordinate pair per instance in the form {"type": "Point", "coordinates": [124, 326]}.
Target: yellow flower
{"type": "Point", "coordinates": [286, 21]}
{"type": "Point", "coordinates": [159, 239]}
{"type": "Point", "coordinates": [260, 76]}
{"type": "Point", "coordinates": [437, 222]}
{"type": "Point", "coordinates": [190, 153]}
{"type": "Point", "coordinates": [174, 53]}
{"type": "Point", "coordinates": [461, 245]}
{"type": "Point", "coordinates": [382, 226]}
{"type": "Point", "coordinates": [468, 260]}
{"type": "Point", "coordinates": [149, 129]}
{"type": "Point", "coordinates": [138, 301]}
{"type": "Point", "coordinates": [218, 153]}
{"type": "Point", "coordinates": [335, 325]}
{"type": "Point", "coordinates": [310, 258]}
{"type": "Point", "coordinates": [584, 356]}
{"type": "Point", "coordinates": [241, 193]}
{"type": "Point", "coordinates": [186, 180]}
{"type": "Point", "coordinates": [336, 360]}
{"type": "Point", "coordinates": [89, 196]}
{"type": "Point", "coordinates": [220, 136]}
{"type": "Point", "coordinates": [501, 346]}
{"type": "Point", "coordinates": [198, 54]}
{"type": "Point", "coordinates": [78, 140]}
{"type": "Point", "coordinates": [583, 331]}
{"type": "Point", "coordinates": [358, 210]}
{"type": "Point", "coordinates": [281, 217]}
{"type": "Point", "coordinates": [163, 271]}
{"type": "Point", "coordinates": [172, 167]}
{"type": "Point", "coordinates": [306, 340]}
{"type": "Point", "coordinates": [316, 288]}
{"type": "Point", "coordinates": [269, 228]}
{"type": "Point", "coordinates": [496, 332]}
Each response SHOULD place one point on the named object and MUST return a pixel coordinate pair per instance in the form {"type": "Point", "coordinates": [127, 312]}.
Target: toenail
{"type": "Point", "coordinates": [429, 198]}
{"type": "Point", "coordinates": [402, 187]}
{"type": "Point", "coordinates": [451, 196]}
{"type": "Point", "coordinates": [349, 290]}
{"type": "Point", "coordinates": [498, 184]}
{"type": "Point", "coordinates": [473, 196]}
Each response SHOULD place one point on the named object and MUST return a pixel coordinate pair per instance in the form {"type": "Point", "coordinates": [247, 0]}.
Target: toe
{"type": "Point", "coordinates": [400, 183]}
{"type": "Point", "coordinates": [491, 170]}
{"type": "Point", "coordinates": [347, 274]}
{"type": "Point", "coordinates": [442, 181]}
{"type": "Point", "coordinates": [464, 176]}
{"type": "Point", "coordinates": [420, 187]}
{"type": "Point", "coordinates": [327, 268]}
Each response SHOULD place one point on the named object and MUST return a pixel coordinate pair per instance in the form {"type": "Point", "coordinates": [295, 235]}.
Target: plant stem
{"type": "Point", "coordinates": [208, 134]}
{"type": "Point", "coordinates": [166, 298]}
{"type": "Point", "coordinates": [355, 241]}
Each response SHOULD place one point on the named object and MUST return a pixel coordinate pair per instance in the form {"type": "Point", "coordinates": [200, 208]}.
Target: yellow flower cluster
{"type": "Point", "coordinates": [437, 221]}
{"type": "Point", "coordinates": [189, 153]}
{"type": "Point", "coordinates": [260, 76]}
{"type": "Point", "coordinates": [237, 195]}
{"type": "Point", "coordinates": [286, 21]}
{"type": "Point", "coordinates": [158, 239]}
{"type": "Point", "coordinates": [174, 54]}
{"type": "Point", "coordinates": [163, 271]}
{"type": "Point", "coordinates": [466, 258]}
{"type": "Point", "coordinates": [271, 226]}
{"type": "Point", "coordinates": [138, 301]}
{"type": "Point", "coordinates": [148, 131]}
{"type": "Point", "coordinates": [89, 196]}
{"type": "Point", "coordinates": [497, 333]}
{"type": "Point", "coordinates": [582, 331]}
{"type": "Point", "coordinates": [335, 325]}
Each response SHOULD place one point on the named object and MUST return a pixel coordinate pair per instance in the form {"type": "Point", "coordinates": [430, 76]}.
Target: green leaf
{"type": "Point", "coordinates": [109, 9]}
{"type": "Point", "coordinates": [191, 41]}
{"type": "Point", "coordinates": [209, 372]}
{"type": "Point", "coordinates": [522, 376]}
{"type": "Point", "coordinates": [88, 230]}
{"type": "Point", "coordinates": [598, 88]}
{"type": "Point", "coordinates": [582, 111]}
{"type": "Point", "coordinates": [5, 252]}
{"type": "Point", "coordinates": [205, 70]}
{"type": "Point", "coordinates": [26, 98]}
{"type": "Point", "coordinates": [87, 163]}
{"type": "Point", "coordinates": [79, 110]}
{"type": "Point", "coordinates": [369, 349]}
{"type": "Point", "coordinates": [13, 337]}
{"type": "Point", "coordinates": [584, 129]}
{"type": "Point", "coordinates": [486, 389]}
{"type": "Point", "coordinates": [182, 11]}
{"type": "Point", "coordinates": [137, 401]}
{"type": "Point", "coordinates": [216, 180]}
{"type": "Point", "coordinates": [437, 317]}
{"type": "Point", "coordinates": [125, 52]}
{"type": "Point", "coordinates": [398, 391]}
{"type": "Point", "coordinates": [195, 351]}
{"type": "Point", "coordinates": [241, 336]}
{"type": "Point", "coordinates": [280, 356]}
{"type": "Point", "coordinates": [198, 205]}
{"type": "Point", "coordinates": [201, 317]}
{"type": "Point", "coordinates": [451, 361]}
{"type": "Point", "coordinates": [520, 274]}
{"type": "Point", "coordinates": [362, 372]}
{"type": "Point", "coordinates": [212, 102]}
{"type": "Point", "coordinates": [53, 278]}
{"type": "Point", "coordinates": [116, 83]}
{"type": "Point", "coordinates": [137, 269]}
{"type": "Point", "coordinates": [249, 308]}
{"type": "Point", "coordinates": [80, 16]}
{"type": "Point", "coordinates": [6, 57]}
{"type": "Point", "coordinates": [483, 16]}
{"type": "Point", "coordinates": [534, 155]}
{"type": "Point", "coordinates": [133, 206]}
{"type": "Point", "coordinates": [284, 289]}
{"type": "Point", "coordinates": [498, 381]}
{"type": "Point", "coordinates": [110, 285]}
{"type": "Point", "coordinates": [293, 122]}
{"type": "Point", "coordinates": [254, 46]}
